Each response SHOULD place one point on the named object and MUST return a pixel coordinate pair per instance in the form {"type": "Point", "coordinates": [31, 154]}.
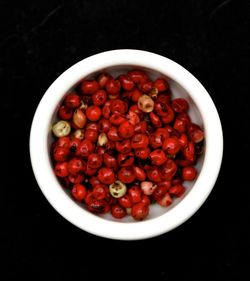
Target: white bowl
{"type": "Point", "coordinates": [202, 111]}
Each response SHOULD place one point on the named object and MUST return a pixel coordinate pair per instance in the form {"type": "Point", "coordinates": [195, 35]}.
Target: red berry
{"type": "Point", "coordinates": [139, 141]}
{"type": "Point", "coordinates": [177, 190]}
{"type": "Point", "coordinates": [99, 97]}
{"type": "Point", "coordinates": [126, 82]}
{"type": "Point", "coordinates": [106, 175]}
{"type": "Point", "coordinates": [157, 157]}
{"type": "Point", "coordinates": [72, 101]}
{"type": "Point", "coordinates": [113, 86]}
{"type": "Point", "coordinates": [180, 105]}
{"type": "Point", "coordinates": [126, 130]}
{"type": "Point", "coordinates": [135, 194]}
{"type": "Point", "coordinates": [94, 161]}
{"type": "Point", "coordinates": [118, 211]}
{"type": "Point", "coordinates": [89, 87]}
{"type": "Point", "coordinates": [65, 112]}
{"type": "Point", "coordinates": [61, 169]}
{"type": "Point", "coordinates": [76, 166]}
{"type": "Point", "coordinates": [189, 173]}
{"type": "Point", "coordinates": [93, 113]}
{"type": "Point", "coordinates": [126, 175]}
{"type": "Point", "coordinates": [100, 191]}
{"type": "Point", "coordinates": [61, 153]}
{"type": "Point", "coordinates": [140, 211]}
{"type": "Point", "coordinates": [79, 191]}
{"type": "Point", "coordinates": [125, 201]}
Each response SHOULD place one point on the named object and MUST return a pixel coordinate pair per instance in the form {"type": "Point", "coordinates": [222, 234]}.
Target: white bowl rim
{"type": "Point", "coordinates": [111, 229]}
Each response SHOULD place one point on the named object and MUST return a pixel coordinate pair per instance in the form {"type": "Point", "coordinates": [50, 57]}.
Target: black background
{"type": "Point", "coordinates": [41, 39]}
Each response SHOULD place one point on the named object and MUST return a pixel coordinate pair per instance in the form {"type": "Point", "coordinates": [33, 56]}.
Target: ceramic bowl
{"type": "Point", "coordinates": [202, 111]}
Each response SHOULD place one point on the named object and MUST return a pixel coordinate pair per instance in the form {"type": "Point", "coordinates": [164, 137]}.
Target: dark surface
{"type": "Point", "coordinates": [39, 40]}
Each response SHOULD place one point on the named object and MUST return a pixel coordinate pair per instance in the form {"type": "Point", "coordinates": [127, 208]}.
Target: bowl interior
{"type": "Point", "coordinates": [177, 91]}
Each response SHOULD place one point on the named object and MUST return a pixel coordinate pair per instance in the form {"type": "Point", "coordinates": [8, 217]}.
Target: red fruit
{"type": "Point", "coordinates": [94, 161]}
{"type": "Point", "coordinates": [89, 87]}
{"type": "Point", "coordinates": [92, 126]}
{"type": "Point", "coordinates": [76, 166]}
{"type": "Point", "coordinates": [138, 76]}
{"type": "Point", "coordinates": [171, 146]}
{"type": "Point", "coordinates": [140, 211]}
{"type": "Point", "coordinates": [189, 152]}
{"type": "Point", "coordinates": [126, 130]}
{"type": "Point", "coordinates": [153, 174]}
{"type": "Point", "coordinates": [155, 120]}
{"type": "Point", "coordinates": [72, 101]}
{"type": "Point", "coordinates": [112, 134]}
{"type": "Point", "coordinates": [113, 86]}
{"type": "Point", "coordinates": [140, 128]}
{"type": "Point", "coordinates": [76, 178]}
{"type": "Point", "coordinates": [180, 105]}
{"type": "Point", "coordinates": [145, 200]}
{"type": "Point", "coordinates": [97, 206]}
{"type": "Point", "coordinates": [126, 175]}
{"type": "Point", "coordinates": [102, 79]}
{"type": "Point", "coordinates": [123, 146]}
{"type": "Point", "coordinates": [161, 85]}
{"type": "Point", "coordinates": [139, 174]}
{"type": "Point", "coordinates": [61, 169]}
{"type": "Point", "coordinates": [63, 142]}
{"type": "Point", "coordinates": [118, 211]}
{"type": "Point", "coordinates": [99, 97]}
{"type": "Point", "coordinates": [100, 191]}
{"type": "Point", "coordinates": [146, 87]}
{"type": "Point", "coordinates": [126, 82]}
{"type": "Point", "coordinates": [135, 95]}
{"type": "Point", "coordinates": [85, 148]}
{"type": "Point", "coordinates": [94, 181]}
{"type": "Point", "coordinates": [109, 160]}
{"type": "Point", "coordinates": [106, 111]}
{"type": "Point", "coordinates": [169, 117]}
{"type": "Point", "coordinates": [133, 118]}
{"type": "Point", "coordinates": [79, 191]}
{"type": "Point", "coordinates": [177, 190]}
{"type": "Point", "coordinates": [142, 153]}
{"type": "Point", "coordinates": [106, 175]}
{"type": "Point", "coordinates": [117, 119]}
{"type": "Point", "coordinates": [168, 170]}
{"type": "Point", "coordinates": [61, 153]}
{"type": "Point", "coordinates": [139, 141]}
{"type": "Point", "coordinates": [93, 113]}
{"type": "Point", "coordinates": [165, 201]}
{"type": "Point", "coordinates": [125, 160]}
{"type": "Point", "coordinates": [73, 145]}
{"type": "Point", "coordinates": [119, 106]}
{"type": "Point", "coordinates": [104, 126]}
{"type": "Point", "coordinates": [155, 140]}
{"type": "Point", "coordinates": [195, 133]}
{"type": "Point", "coordinates": [189, 173]}
{"type": "Point", "coordinates": [91, 135]}
{"type": "Point", "coordinates": [157, 157]}
{"type": "Point", "coordinates": [65, 112]}
{"type": "Point", "coordinates": [135, 194]}
{"type": "Point", "coordinates": [161, 189]}
{"type": "Point", "coordinates": [125, 201]}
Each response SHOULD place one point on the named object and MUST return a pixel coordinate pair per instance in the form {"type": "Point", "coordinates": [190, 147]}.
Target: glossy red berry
{"type": "Point", "coordinates": [106, 175]}
{"type": "Point", "coordinates": [125, 201]}
{"type": "Point", "coordinates": [126, 130]}
{"type": "Point", "coordinates": [99, 97]}
{"type": "Point", "coordinates": [158, 157]}
{"type": "Point", "coordinates": [135, 194]}
{"type": "Point", "coordinates": [100, 191]}
{"type": "Point", "coordinates": [177, 190]}
{"type": "Point", "coordinates": [140, 174]}
{"type": "Point", "coordinates": [125, 160]}
{"type": "Point", "coordinates": [180, 105]}
{"type": "Point", "coordinates": [93, 113]}
{"type": "Point", "coordinates": [126, 82]}
{"type": "Point", "coordinates": [85, 148]}
{"type": "Point", "coordinates": [123, 146]}
{"type": "Point", "coordinates": [94, 161]}
{"type": "Point", "coordinates": [171, 146]}
{"type": "Point", "coordinates": [61, 169]}
{"type": "Point", "coordinates": [126, 175]}
{"type": "Point", "coordinates": [139, 141]}
{"type": "Point", "coordinates": [65, 112]}
{"type": "Point", "coordinates": [88, 87]}
{"type": "Point", "coordinates": [113, 86]}
{"type": "Point", "coordinates": [61, 153]}
{"type": "Point", "coordinates": [118, 211]}
{"type": "Point", "coordinates": [72, 100]}
{"type": "Point", "coordinates": [79, 192]}
{"type": "Point", "coordinates": [142, 153]}
{"type": "Point", "coordinates": [76, 166]}
{"type": "Point", "coordinates": [91, 135]}
{"type": "Point", "coordinates": [139, 211]}
{"type": "Point", "coordinates": [189, 173]}
{"type": "Point", "coordinates": [168, 170]}
{"type": "Point", "coordinates": [109, 160]}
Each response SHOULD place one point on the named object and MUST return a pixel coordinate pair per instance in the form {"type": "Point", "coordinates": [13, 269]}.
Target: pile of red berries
{"type": "Point", "coordinates": [123, 143]}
